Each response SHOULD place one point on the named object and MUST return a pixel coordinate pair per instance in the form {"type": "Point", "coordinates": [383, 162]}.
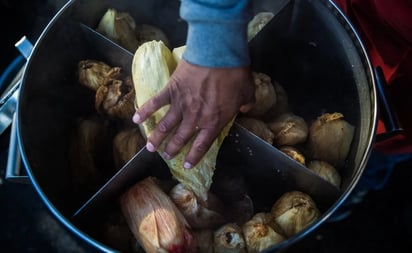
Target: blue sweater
{"type": "Point", "coordinates": [217, 32]}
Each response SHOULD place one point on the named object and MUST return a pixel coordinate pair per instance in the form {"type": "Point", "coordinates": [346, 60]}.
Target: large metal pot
{"type": "Point", "coordinates": [312, 50]}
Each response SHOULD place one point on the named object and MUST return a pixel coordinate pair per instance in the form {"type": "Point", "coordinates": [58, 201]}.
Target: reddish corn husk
{"type": "Point", "coordinates": [154, 220]}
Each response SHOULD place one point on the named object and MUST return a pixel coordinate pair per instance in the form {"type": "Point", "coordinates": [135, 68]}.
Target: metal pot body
{"type": "Point", "coordinates": [313, 51]}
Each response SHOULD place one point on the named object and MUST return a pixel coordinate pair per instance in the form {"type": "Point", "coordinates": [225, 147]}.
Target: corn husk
{"type": "Point", "coordinates": [229, 239]}
{"type": "Point", "coordinates": [199, 214]}
{"type": "Point", "coordinates": [153, 63]}
{"type": "Point", "coordinates": [259, 233]}
{"type": "Point", "coordinates": [288, 129]}
{"type": "Point", "coordinates": [326, 171]}
{"type": "Point", "coordinates": [94, 74]}
{"type": "Point", "coordinates": [282, 103]}
{"type": "Point", "coordinates": [294, 153]}
{"type": "Point", "coordinates": [265, 95]}
{"type": "Point", "coordinates": [154, 220]}
{"type": "Point", "coordinates": [146, 32]}
{"type": "Point", "coordinates": [257, 23]}
{"type": "Point", "coordinates": [126, 143]}
{"type": "Point", "coordinates": [88, 153]}
{"type": "Point", "coordinates": [116, 99]}
{"type": "Point", "coordinates": [177, 52]}
{"type": "Point", "coordinates": [294, 211]}
{"type": "Point", "coordinates": [119, 27]}
{"type": "Point", "coordinates": [257, 127]}
{"type": "Point", "coordinates": [330, 138]}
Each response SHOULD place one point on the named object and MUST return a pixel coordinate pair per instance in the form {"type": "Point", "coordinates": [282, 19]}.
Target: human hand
{"type": "Point", "coordinates": [202, 102]}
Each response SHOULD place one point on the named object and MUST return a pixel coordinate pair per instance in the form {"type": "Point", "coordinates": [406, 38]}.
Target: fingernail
{"type": "Point", "coordinates": [136, 118]}
{"type": "Point", "coordinates": [167, 156]}
{"type": "Point", "coordinates": [150, 147]}
{"type": "Point", "coordinates": [187, 165]}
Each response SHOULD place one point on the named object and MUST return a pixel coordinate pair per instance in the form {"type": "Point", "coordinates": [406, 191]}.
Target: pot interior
{"type": "Point", "coordinates": [309, 49]}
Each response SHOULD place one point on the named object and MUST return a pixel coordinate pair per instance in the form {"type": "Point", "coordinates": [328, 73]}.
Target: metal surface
{"type": "Point", "coordinates": [387, 111]}
{"type": "Point", "coordinates": [24, 46]}
{"type": "Point", "coordinates": [310, 48]}
{"type": "Point", "coordinates": [255, 157]}
{"type": "Point", "coordinates": [288, 171]}
{"type": "Point", "coordinates": [8, 106]}
{"type": "Point", "coordinates": [128, 175]}
{"type": "Point", "coordinates": [137, 167]}
{"type": "Point", "coordinates": [14, 171]}
{"type": "Point", "coordinates": [8, 102]}
{"type": "Point", "coordinates": [105, 46]}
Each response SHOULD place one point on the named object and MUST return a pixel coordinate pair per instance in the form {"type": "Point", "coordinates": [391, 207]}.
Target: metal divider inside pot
{"type": "Point", "coordinates": [322, 72]}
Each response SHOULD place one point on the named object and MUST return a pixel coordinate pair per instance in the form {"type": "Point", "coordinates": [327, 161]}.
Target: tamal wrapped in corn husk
{"type": "Point", "coordinates": [199, 214]}
{"type": "Point", "coordinates": [154, 219]}
{"type": "Point", "coordinates": [294, 211]}
{"type": "Point", "coordinates": [119, 27]}
{"type": "Point", "coordinates": [93, 73]}
{"type": "Point", "coordinates": [260, 234]}
{"type": "Point", "coordinates": [153, 64]}
{"type": "Point", "coordinates": [126, 143]}
{"type": "Point", "coordinates": [326, 171]}
{"type": "Point", "coordinates": [229, 239]}
{"type": "Point", "coordinates": [330, 138]}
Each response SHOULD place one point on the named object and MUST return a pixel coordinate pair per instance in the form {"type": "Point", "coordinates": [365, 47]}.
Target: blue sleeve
{"type": "Point", "coordinates": [217, 32]}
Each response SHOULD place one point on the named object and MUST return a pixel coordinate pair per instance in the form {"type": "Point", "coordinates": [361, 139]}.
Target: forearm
{"type": "Point", "coordinates": [217, 32]}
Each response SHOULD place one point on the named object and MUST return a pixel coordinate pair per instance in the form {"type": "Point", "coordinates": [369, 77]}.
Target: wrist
{"type": "Point", "coordinates": [217, 44]}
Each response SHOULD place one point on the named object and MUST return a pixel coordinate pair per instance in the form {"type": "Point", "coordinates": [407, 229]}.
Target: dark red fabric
{"type": "Point", "coordinates": [385, 27]}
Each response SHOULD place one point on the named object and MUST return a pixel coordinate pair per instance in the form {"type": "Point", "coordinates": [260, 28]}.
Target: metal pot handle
{"type": "Point", "coordinates": [387, 111]}
{"type": "Point", "coordinates": [13, 169]}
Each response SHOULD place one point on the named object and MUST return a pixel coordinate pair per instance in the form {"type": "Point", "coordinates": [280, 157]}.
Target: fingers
{"type": "Point", "coordinates": [203, 140]}
{"type": "Point", "coordinates": [200, 146]}
{"type": "Point", "coordinates": [151, 106]}
{"type": "Point", "coordinates": [180, 137]}
{"type": "Point", "coordinates": [162, 130]}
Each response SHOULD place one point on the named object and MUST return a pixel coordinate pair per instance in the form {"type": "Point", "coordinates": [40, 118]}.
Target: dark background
{"type": "Point", "coordinates": [381, 222]}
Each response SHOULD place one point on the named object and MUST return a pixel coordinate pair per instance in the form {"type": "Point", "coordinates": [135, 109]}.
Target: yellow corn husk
{"type": "Point", "coordinates": [257, 23]}
{"type": "Point", "coordinates": [177, 52]}
{"type": "Point", "coordinates": [154, 219]}
{"type": "Point", "coordinates": [119, 27]}
{"type": "Point", "coordinates": [153, 64]}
